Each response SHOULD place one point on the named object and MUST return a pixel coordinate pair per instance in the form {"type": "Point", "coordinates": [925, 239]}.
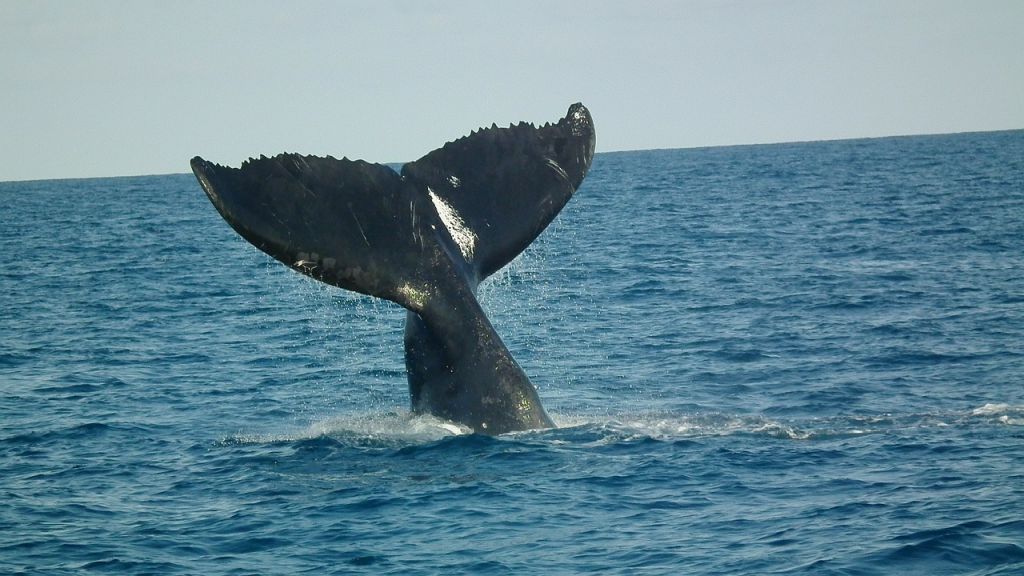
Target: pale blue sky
{"type": "Point", "coordinates": [104, 88]}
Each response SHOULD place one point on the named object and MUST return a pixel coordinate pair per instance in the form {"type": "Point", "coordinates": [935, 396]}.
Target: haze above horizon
{"type": "Point", "coordinates": [130, 88]}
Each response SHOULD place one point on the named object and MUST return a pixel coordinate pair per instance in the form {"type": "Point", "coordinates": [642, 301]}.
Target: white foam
{"type": "Point", "coordinates": [674, 427]}
{"type": "Point", "coordinates": [1003, 413]}
{"type": "Point", "coordinates": [991, 409]}
{"type": "Point", "coordinates": [401, 427]}
{"type": "Point", "coordinates": [387, 426]}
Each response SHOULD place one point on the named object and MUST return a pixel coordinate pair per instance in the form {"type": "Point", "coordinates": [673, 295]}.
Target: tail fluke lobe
{"type": "Point", "coordinates": [353, 224]}
{"type": "Point", "coordinates": [508, 184]}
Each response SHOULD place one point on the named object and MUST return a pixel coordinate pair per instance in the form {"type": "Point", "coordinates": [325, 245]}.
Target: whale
{"type": "Point", "coordinates": [424, 237]}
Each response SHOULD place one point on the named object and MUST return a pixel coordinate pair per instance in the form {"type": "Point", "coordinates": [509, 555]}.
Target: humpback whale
{"type": "Point", "coordinates": [424, 237]}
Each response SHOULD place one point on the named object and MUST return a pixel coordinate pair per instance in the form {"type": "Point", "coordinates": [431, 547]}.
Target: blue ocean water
{"type": "Point", "coordinates": [781, 359]}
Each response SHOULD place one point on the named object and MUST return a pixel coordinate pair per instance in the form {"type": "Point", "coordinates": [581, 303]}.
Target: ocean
{"type": "Point", "coordinates": [775, 359]}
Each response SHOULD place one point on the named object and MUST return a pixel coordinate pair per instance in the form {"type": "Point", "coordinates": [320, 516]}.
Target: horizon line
{"type": "Point", "coordinates": [620, 151]}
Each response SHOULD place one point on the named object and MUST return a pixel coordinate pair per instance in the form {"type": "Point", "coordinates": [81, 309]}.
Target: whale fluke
{"type": "Point", "coordinates": [423, 238]}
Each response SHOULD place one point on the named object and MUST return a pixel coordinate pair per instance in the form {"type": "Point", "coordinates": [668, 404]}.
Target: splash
{"type": "Point", "coordinates": [1002, 413]}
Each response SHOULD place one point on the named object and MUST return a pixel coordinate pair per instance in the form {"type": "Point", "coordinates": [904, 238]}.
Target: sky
{"type": "Point", "coordinates": [110, 88]}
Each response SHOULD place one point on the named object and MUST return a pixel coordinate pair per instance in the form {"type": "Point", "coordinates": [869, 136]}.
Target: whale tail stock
{"type": "Point", "coordinates": [424, 238]}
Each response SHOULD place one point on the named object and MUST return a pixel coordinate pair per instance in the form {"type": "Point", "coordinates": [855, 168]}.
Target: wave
{"type": "Point", "coordinates": [962, 546]}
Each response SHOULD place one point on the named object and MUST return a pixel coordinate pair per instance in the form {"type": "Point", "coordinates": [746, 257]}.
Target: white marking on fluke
{"type": "Point", "coordinates": [416, 297]}
{"type": "Point", "coordinates": [557, 168]}
{"type": "Point", "coordinates": [456, 226]}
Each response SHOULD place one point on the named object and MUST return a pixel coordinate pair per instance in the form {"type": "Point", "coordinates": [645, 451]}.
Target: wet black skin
{"type": "Point", "coordinates": [365, 228]}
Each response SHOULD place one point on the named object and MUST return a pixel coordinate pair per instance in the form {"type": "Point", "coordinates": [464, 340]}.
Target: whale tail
{"type": "Point", "coordinates": [363, 227]}
{"type": "Point", "coordinates": [423, 238]}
